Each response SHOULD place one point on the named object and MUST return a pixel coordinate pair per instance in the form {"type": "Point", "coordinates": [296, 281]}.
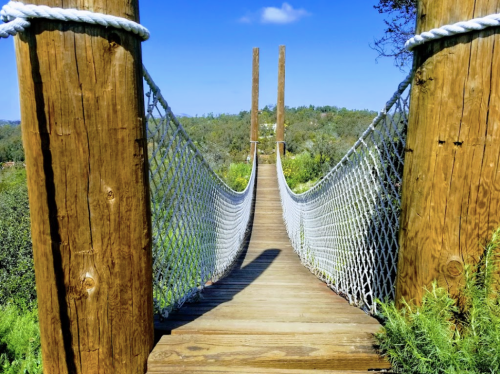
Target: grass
{"type": "Point", "coordinates": [446, 334]}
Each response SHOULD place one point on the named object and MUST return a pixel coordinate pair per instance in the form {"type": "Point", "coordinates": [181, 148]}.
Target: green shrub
{"type": "Point", "coordinates": [17, 277]}
{"type": "Point", "coordinates": [238, 175]}
{"type": "Point", "coordinates": [12, 178]}
{"type": "Point", "coordinates": [300, 168]}
{"type": "Point", "coordinates": [11, 145]}
{"type": "Point", "coordinates": [448, 336]}
{"type": "Point", "coordinates": [19, 341]}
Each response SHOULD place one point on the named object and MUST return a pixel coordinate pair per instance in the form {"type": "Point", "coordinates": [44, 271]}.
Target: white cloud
{"type": "Point", "coordinates": [286, 14]}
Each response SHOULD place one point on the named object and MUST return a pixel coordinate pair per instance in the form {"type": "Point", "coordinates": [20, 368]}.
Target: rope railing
{"type": "Point", "coordinates": [345, 228]}
{"type": "Point", "coordinates": [199, 223]}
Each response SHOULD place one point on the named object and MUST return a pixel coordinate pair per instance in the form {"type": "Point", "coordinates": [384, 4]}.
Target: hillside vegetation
{"type": "Point", "coordinates": [316, 139]}
{"type": "Point", "coordinates": [11, 145]}
{"type": "Point", "coordinates": [318, 136]}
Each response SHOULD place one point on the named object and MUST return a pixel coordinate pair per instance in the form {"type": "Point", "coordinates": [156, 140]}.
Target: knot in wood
{"type": "Point", "coordinates": [88, 283]}
{"type": "Point", "coordinates": [454, 268]}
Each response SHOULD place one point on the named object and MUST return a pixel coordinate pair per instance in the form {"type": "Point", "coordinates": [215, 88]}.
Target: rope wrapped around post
{"type": "Point", "coordinates": [476, 24]}
{"type": "Point", "coordinates": [17, 15]}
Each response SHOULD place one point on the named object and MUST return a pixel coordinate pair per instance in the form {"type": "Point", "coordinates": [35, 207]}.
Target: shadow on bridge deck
{"type": "Point", "coordinates": [270, 315]}
{"type": "Point", "coordinates": [217, 294]}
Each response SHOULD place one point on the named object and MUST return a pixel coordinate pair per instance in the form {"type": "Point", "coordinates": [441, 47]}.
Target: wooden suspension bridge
{"type": "Point", "coordinates": [83, 129]}
{"type": "Point", "coordinates": [270, 315]}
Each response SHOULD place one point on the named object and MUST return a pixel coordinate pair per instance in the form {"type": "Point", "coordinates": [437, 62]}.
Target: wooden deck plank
{"type": "Point", "coordinates": [300, 352]}
{"type": "Point", "coordinates": [270, 315]}
{"type": "Point", "coordinates": [316, 318]}
{"type": "Point", "coordinates": [258, 327]}
{"type": "Point", "coordinates": [192, 369]}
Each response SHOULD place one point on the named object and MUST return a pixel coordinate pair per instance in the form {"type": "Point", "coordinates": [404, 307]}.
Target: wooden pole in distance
{"type": "Point", "coordinates": [254, 130]}
{"type": "Point", "coordinates": [451, 184]}
{"type": "Point", "coordinates": [280, 124]}
{"type": "Point", "coordinates": [83, 124]}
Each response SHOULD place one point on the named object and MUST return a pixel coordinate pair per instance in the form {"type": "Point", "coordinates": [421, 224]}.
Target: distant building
{"type": "Point", "coordinates": [9, 164]}
{"type": "Point", "coordinates": [269, 125]}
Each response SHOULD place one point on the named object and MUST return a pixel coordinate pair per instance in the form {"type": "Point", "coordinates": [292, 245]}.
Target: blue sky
{"type": "Point", "coordinates": [200, 54]}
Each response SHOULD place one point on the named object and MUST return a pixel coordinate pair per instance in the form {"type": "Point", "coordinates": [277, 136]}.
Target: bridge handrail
{"type": "Point", "coordinates": [199, 222]}
{"type": "Point", "coordinates": [345, 228]}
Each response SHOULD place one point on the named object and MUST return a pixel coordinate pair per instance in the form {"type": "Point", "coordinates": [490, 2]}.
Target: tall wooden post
{"type": "Point", "coordinates": [82, 112]}
{"type": "Point", "coordinates": [254, 130]}
{"type": "Point", "coordinates": [451, 187]}
{"type": "Point", "coordinates": [280, 121]}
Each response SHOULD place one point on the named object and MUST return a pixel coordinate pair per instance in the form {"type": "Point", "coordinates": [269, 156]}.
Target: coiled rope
{"type": "Point", "coordinates": [17, 16]}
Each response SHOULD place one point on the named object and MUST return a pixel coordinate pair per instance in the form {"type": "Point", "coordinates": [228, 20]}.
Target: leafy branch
{"type": "Point", "coordinates": [400, 26]}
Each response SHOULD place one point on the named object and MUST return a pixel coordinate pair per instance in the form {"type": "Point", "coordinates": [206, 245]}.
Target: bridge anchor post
{"type": "Point", "coordinates": [84, 134]}
{"type": "Point", "coordinates": [451, 189]}
{"type": "Point", "coordinates": [254, 130]}
{"type": "Point", "coordinates": [280, 120]}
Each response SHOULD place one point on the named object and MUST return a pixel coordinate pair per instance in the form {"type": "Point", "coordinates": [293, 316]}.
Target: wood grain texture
{"type": "Point", "coordinates": [451, 188]}
{"type": "Point", "coordinates": [82, 112]}
{"type": "Point", "coordinates": [270, 315]}
{"type": "Point", "coordinates": [254, 130]}
{"type": "Point", "coordinates": [280, 120]}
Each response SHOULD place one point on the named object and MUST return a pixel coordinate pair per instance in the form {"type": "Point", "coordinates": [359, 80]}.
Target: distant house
{"type": "Point", "coordinates": [9, 164]}
{"type": "Point", "coordinates": [269, 126]}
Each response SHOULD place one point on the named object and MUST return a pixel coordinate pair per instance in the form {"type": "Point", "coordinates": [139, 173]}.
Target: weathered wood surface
{"type": "Point", "coordinates": [451, 185]}
{"type": "Point", "coordinates": [254, 125]}
{"type": "Point", "coordinates": [270, 315]}
{"type": "Point", "coordinates": [280, 115]}
{"type": "Point", "coordinates": [82, 112]}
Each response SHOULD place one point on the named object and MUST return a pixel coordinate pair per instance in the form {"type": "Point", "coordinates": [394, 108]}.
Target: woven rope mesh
{"type": "Point", "coordinates": [199, 223]}
{"type": "Point", "coordinates": [345, 229]}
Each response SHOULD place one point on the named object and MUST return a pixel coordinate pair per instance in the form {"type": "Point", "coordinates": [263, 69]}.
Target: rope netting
{"type": "Point", "coordinates": [199, 223]}
{"type": "Point", "coordinates": [345, 228]}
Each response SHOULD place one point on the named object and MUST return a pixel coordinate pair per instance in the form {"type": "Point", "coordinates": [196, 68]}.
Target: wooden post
{"type": "Point", "coordinates": [82, 112]}
{"type": "Point", "coordinates": [254, 131]}
{"type": "Point", "coordinates": [451, 185]}
{"type": "Point", "coordinates": [280, 121]}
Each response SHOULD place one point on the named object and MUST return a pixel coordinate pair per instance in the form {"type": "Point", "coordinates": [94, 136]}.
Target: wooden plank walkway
{"type": "Point", "coordinates": [270, 315]}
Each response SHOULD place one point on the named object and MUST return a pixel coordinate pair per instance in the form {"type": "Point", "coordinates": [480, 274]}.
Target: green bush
{"type": "Point", "coordinates": [238, 175]}
{"type": "Point", "coordinates": [300, 168]}
{"type": "Point", "coordinates": [17, 277]}
{"type": "Point", "coordinates": [19, 341]}
{"type": "Point", "coordinates": [448, 336]}
{"type": "Point", "coordinates": [11, 145]}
